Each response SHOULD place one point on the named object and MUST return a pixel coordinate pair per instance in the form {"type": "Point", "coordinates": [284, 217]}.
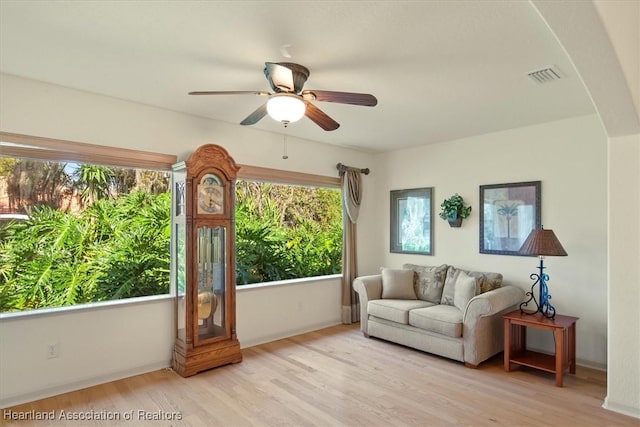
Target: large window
{"type": "Point", "coordinates": [81, 223]}
{"type": "Point", "coordinates": [288, 226]}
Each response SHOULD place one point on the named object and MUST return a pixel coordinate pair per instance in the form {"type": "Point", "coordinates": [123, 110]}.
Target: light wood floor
{"type": "Point", "coordinates": [336, 377]}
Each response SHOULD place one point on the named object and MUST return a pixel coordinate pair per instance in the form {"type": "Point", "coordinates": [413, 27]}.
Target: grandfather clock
{"type": "Point", "coordinates": [203, 261]}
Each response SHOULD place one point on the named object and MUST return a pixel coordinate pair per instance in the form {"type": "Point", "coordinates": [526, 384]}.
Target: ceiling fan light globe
{"type": "Point", "coordinates": [286, 107]}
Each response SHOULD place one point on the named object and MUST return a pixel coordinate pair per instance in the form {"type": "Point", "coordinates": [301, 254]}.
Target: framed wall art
{"type": "Point", "coordinates": [411, 221]}
{"type": "Point", "coordinates": [508, 213]}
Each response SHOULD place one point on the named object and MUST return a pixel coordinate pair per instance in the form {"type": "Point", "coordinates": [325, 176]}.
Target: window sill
{"type": "Point", "coordinates": [240, 288]}
{"type": "Point", "coordinates": [43, 312]}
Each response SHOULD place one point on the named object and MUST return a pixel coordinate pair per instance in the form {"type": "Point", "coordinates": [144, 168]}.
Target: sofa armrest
{"type": "Point", "coordinates": [492, 302]}
{"type": "Point", "coordinates": [482, 323]}
{"type": "Point", "coordinates": [368, 288]}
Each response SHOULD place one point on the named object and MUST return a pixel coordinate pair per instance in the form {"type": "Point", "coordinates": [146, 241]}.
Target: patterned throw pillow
{"type": "Point", "coordinates": [428, 281]}
{"type": "Point", "coordinates": [484, 282]}
{"type": "Point", "coordinates": [397, 284]}
{"type": "Point", "coordinates": [491, 281]}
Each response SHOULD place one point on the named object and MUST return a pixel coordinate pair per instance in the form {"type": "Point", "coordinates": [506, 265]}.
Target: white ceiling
{"type": "Point", "coordinates": [441, 70]}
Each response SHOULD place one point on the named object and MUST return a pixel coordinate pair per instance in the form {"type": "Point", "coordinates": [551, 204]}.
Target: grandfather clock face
{"type": "Point", "coordinates": [210, 195]}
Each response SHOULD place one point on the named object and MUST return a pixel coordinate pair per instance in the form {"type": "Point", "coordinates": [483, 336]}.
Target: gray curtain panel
{"type": "Point", "coordinates": [352, 197]}
{"type": "Point", "coordinates": [352, 193]}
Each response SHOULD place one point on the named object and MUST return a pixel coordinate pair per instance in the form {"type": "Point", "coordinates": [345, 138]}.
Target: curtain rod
{"type": "Point", "coordinates": [342, 168]}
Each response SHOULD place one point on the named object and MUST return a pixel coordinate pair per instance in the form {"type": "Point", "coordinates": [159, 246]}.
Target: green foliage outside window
{"type": "Point", "coordinates": [114, 249]}
{"type": "Point", "coordinates": [113, 241]}
{"type": "Point", "coordinates": [93, 234]}
{"type": "Point", "coordinates": [286, 232]}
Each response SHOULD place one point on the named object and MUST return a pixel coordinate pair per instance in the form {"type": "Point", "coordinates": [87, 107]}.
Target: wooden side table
{"type": "Point", "coordinates": [515, 343]}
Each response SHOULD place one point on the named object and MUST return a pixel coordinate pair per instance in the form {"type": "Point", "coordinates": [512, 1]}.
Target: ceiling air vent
{"type": "Point", "coordinates": [544, 75]}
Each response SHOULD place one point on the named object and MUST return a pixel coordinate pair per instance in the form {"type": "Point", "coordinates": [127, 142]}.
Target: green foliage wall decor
{"type": "Point", "coordinates": [454, 207]}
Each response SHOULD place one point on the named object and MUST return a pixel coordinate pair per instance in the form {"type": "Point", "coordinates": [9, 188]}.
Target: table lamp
{"type": "Point", "coordinates": [541, 243]}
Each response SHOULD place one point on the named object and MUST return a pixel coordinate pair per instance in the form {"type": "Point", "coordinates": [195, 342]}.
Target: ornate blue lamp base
{"type": "Point", "coordinates": [542, 305]}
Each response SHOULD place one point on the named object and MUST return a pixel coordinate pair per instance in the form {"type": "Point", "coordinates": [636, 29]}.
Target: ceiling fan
{"type": "Point", "coordinates": [287, 102]}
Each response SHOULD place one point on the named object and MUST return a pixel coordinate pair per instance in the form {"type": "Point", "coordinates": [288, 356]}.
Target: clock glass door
{"type": "Point", "coordinates": [211, 279]}
{"type": "Point", "coordinates": [179, 250]}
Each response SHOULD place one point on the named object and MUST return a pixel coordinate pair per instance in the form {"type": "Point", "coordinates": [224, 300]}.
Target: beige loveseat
{"type": "Point", "coordinates": [441, 310]}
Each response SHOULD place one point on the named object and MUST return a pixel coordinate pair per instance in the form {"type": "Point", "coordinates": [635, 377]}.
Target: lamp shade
{"type": "Point", "coordinates": [286, 107]}
{"type": "Point", "coordinates": [542, 242]}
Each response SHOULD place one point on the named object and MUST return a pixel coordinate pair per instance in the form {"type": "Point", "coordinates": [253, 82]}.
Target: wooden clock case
{"type": "Point", "coordinates": [203, 261]}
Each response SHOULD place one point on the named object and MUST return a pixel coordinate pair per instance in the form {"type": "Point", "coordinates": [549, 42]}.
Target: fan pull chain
{"type": "Point", "coordinates": [284, 147]}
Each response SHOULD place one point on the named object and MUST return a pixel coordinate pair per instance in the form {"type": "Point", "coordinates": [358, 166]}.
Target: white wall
{"type": "Point", "coordinates": [269, 312]}
{"type": "Point", "coordinates": [623, 392]}
{"type": "Point", "coordinates": [125, 340]}
{"type": "Point", "coordinates": [621, 20]}
{"type": "Point", "coordinates": [570, 158]}
{"type": "Point", "coordinates": [94, 346]}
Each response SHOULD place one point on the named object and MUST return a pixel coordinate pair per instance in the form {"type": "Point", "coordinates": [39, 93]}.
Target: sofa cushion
{"type": "Point", "coordinates": [465, 289]}
{"type": "Point", "coordinates": [428, 281]}
{"type": "Point", "coordinates": [441, 319]}
{"type": "Point", "coordinates": [397, 284]}
{"type": "Point", "coordinates": [395, 310]}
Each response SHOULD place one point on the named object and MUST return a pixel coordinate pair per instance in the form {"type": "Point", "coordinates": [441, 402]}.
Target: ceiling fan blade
{"type": "Point", "coordinates": [364, 99]}
{"type": "Point", "coordinates": [320, 118]}
{"type": "Point", "coordinates": [280, 77]}
{"type": "Point", "coordinates": [231, 92]}
{"type": "Point", "coordinates": [255, 117]}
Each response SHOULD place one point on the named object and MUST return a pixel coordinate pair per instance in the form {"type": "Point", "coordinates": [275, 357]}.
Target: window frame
{"type": "Point", "coordinates": [279, 176]}
{"type": "Point", "coordinates": [284, 177]}
{"type": "Point", "coordinates": [50, 149]}
{"type": "Point", "coordinates": [41, 148]}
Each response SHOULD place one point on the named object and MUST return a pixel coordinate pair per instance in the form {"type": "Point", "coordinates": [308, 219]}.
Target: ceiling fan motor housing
{"type": "Point", "coordinates": [299, 75]}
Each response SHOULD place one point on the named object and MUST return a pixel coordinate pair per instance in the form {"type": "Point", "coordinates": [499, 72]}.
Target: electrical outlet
{"type": "Point", "coordinates": [52, 351]}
